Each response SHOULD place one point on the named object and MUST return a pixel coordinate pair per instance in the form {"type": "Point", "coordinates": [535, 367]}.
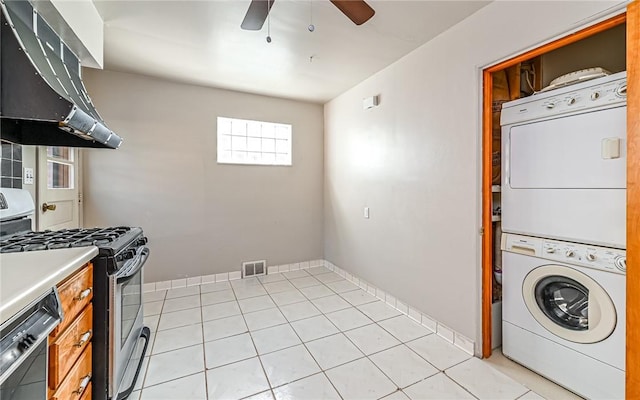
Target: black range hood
{"type": "Point", "coordinates": [42, 98]}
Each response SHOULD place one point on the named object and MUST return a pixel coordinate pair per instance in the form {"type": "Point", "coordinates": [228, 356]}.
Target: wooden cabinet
{"type": "Point", "coordinates": [76, 384]}
{"type": "Point", "coordinates": [75, 293]}
{"type": "Point", "coordinates": [70, 342]}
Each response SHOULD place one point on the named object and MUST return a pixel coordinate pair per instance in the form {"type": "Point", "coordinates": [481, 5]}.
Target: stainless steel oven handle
{"type": "Point", "coordinates": [134, 266]}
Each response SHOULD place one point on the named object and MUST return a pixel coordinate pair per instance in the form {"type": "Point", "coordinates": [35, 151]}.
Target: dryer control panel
{"type": "Point", "coordinates": [584, 255]}
{"type": "Point", "coordinates": [603, 92]}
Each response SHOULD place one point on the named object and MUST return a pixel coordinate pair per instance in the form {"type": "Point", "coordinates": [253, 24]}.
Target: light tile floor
{"type": "Point", "coordinates": [301, 335]}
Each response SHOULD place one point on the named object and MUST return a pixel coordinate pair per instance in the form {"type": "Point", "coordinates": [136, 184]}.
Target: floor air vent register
{"type": "Point", "coordinates": [254, 268]}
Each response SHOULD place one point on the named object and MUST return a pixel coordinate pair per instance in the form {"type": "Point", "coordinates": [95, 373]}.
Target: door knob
{"type": "Point", "coordinates": [48, 207]}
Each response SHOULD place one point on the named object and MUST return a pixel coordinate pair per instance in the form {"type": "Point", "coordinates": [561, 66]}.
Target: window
{"type": "Point", "coordinates": [242, 141]}
{"type": "Point", "coordinates": [60, 167]}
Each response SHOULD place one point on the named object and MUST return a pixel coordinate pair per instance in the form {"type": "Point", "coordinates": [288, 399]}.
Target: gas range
{"type": "Point", "coordinates": [120, 338]}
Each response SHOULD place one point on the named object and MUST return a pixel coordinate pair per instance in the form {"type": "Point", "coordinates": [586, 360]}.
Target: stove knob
{"type": "Point", "coordinates": [129, 254]}
{"type": "Point", "coordinates": [591, 255]}
{"type": "Point", "coordinates": [27, 341]}
{"type": "Point", "coordinates": [23, 345]}
{"type": "Point", "coordinates": [569, 253]}
{"type": "Point", "coordinates": [621, 263]}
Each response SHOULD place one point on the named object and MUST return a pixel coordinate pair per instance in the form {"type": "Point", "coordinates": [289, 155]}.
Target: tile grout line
{"type": "Point", "coordinates": [401, 343]}
{"type": "Point", "coordinates": [306, 348]}
{"type": "Point", "coordinates": [324, 371]}
{"type": "Point", "coordinates": [264, 371]}
{"type": "Point", "coordinates": [302, 342]}
{"type": "Point", "coordinates": [204, 348]}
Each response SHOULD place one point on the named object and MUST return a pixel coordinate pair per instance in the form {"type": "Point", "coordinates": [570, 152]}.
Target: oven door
{"type": "Point", "coordinates": [126, 318]}
{"type": "Point", "coordinates": [29, 380]}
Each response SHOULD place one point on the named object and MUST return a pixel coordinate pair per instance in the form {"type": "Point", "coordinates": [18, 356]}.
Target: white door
{"type": "Point", "coordinates": [58, 200]}
{"type": "Point", "coordinates": [568, 153]}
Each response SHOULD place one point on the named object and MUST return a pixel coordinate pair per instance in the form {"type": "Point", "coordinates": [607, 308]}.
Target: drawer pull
{"type": "Point", "coordinates": [83, 339]}
{"type": "Point", "coordinates": [83, 295]}
{"type": "Point", "coordinates": [83, 385]}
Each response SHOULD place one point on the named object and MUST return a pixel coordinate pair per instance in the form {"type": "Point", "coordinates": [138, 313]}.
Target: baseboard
{"type": "Point", "coordinates": [225, 276]}
{"type": "Point", "coordinates": [457, 339]}
{"type": "Point", "coordinates": [462, 342]}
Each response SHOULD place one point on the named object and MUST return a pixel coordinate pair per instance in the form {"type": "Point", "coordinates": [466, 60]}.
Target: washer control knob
{"type": "Point", "coordinates": [549, 105]}
{"type": "Point", "coordinates": [569, 253]}
{"type": "Point", "coordinates": [591, 255]}
{"type": "Point", "coordinates": [550, 249]}
{"type": "Point", "coordinates": [621, 263]}
{"type": "Point", "coordinates": [571, 101]}
{"type": "Point", "coordinates": [595, 95]}
{"type": "Point", "coordinates": [621, 91]}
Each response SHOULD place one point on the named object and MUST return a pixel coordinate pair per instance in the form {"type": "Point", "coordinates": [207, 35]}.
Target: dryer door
{"type": "Point", "coordinates": [569, 304]}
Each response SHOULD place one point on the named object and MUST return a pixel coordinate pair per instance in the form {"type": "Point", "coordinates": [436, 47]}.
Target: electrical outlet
{"type": "Point", "coordinates": [28, 176]}
{"type": "Point", "coordinates": [366, 212]}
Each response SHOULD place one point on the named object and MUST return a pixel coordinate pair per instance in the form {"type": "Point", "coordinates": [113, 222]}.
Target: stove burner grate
{"type": "Point", "coordinates": [65, 238]}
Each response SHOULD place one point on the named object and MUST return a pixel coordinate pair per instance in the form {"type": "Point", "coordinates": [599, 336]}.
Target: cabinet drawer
{"type": "Point", "coordinates": [75, 293]}
{"type": "Point", "coordinates": [68, 346]}
{"type": "Point", "coordinates": [78, 380]}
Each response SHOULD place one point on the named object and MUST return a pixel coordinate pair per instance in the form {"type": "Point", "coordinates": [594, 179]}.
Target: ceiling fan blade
{"type": "Point", "coordinates": [356, 10]}
{"type": "Point", "coordinates": [256, 14]}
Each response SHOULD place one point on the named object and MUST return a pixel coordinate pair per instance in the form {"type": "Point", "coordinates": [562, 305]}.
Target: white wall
{"type": "Point", "coordinates": [415, 161]}
{"type": "Point", "coordinates": [607, 50]}
{"type": "Point", "coordinates": [201, 217]}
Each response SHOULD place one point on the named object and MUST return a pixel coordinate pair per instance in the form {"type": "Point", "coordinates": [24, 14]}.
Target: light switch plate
{"type": "Point", "coordinates": [28, 176]}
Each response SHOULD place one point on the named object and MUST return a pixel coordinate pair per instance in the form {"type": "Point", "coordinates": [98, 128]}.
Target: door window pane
{"type": "Point", "coordinates": [60, 153]}
{"type": "Point", "coordinates": [60, 168]}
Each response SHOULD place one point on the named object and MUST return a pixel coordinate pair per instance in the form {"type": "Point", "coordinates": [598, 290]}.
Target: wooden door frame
{"type": "Point", "coordinates": [633, 201]}
{"type": "Point", "coordinates": [633, 181]}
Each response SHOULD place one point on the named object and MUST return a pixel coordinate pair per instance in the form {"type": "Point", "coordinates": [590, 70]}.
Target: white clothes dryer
{"type": "Point", "coordinates": [564, 163]}
{"type": "Point", "coordinates": [563, 313]}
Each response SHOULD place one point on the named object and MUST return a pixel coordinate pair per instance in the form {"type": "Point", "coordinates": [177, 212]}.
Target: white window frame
{"type": "Point", "coordinates": [250, 142]}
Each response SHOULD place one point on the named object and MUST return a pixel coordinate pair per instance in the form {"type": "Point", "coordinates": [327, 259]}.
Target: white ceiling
{"type": "Point", "coordinates": [200, 42]}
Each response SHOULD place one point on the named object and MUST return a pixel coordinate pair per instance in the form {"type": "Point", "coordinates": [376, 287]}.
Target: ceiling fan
{"type": "Point", "coordinates": [356, 10]}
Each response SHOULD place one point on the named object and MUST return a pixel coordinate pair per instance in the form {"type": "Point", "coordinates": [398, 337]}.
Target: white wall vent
{"type": "Point", "coordinates": [254, 268]}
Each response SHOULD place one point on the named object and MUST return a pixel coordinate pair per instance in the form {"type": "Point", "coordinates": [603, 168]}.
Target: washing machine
{"type": "Point", "coordinates": [563, 313]}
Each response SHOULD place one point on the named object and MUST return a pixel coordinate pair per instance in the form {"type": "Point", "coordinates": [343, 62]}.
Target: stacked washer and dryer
{"type": "Point", "coordinates": [564, 218]}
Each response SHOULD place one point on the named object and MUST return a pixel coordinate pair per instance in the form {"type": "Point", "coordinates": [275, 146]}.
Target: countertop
{"type": "Point", "coordinates": [26, 276]}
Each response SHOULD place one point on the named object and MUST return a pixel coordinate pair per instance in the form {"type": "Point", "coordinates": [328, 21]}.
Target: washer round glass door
{"type": "Point", "coordinates": [569, 304]}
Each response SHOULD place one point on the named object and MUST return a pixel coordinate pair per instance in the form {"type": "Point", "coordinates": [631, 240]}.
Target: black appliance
{"type": "Point", "coordinates": [23, 349]}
